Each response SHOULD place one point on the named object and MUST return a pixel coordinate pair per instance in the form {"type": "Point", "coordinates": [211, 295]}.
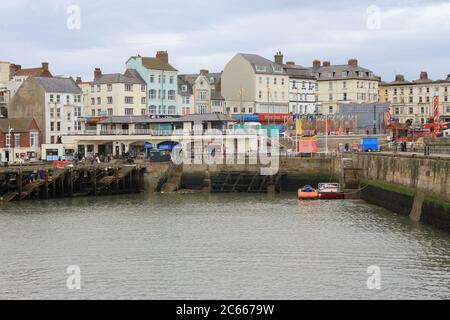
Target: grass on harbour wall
{"type": "Point", "coordinates": [432, 200]}
{"type": "Point", "coordinates": [389, 187]}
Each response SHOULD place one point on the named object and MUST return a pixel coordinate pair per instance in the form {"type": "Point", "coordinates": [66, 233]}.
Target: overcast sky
{"type": "Point", "coordinates": [410, 35]}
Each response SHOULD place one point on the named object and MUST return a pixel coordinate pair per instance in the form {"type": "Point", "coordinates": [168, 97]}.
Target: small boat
{"type": "Point", "coordinates": [308, 193]}
{"type": "Point", "coordinates": [330, 191]}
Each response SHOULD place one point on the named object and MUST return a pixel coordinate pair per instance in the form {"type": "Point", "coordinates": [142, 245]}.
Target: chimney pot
{"type": "Point", "coordinates": [97, 73]}
{"type": "Point", "coordinates": [279, 58]}
{"type": "Point", "coordinates": [316, 64]}
{"type": "Point", "coordinates": [424, 75]}
{"type": "Point", "coordinates": [353, 62]}
{"type": "Point", "coordinates": [163, 55]}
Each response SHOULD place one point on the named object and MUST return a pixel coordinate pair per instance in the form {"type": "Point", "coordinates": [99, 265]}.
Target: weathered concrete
{"type": "Point", "coordinates": [418, 187]}
{"type": "Point", "coordinates": [294, 172]}
{"type": "Point", "coordinates": [430, 175]}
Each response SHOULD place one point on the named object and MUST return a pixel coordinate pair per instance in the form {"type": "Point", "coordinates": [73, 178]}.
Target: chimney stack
{"type": "Point", "coordinates": [316, 64]}
{"type": "Point", "coordinates": [424, 75]}
{"type": "Point", "coordinates": [218, 85]}
{"type": "Point", "coordinates": [290, 63]}
{"type": "Point", "coordinates": [279, 58]}
{"type": "Point", "coordinates": [12, 71]}
{"type": "Point", "coordinates": [78, 81]}
{"type": "Point", "coordinates": [204, 72]}
{"type": "Point", "coordinates": [45, 66]}
{"type": "Point", "coordinates": [326, 63]}
{"type": "Point", "coordinates": [448, 77]}
{"type": "Point", "coordinates": [353, 62]}
{"type": "Point", "coordinates": [97, 73]}
{"type": "Point", "coordinates": [162, 55]}
{"type": "Point", "coordinates": [400, 78]}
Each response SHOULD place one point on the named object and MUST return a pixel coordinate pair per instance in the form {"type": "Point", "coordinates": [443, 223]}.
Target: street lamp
{"type": "Point", "coordinates": [10, 130]}
{"type": "Point", "coordinates": [374, 119]}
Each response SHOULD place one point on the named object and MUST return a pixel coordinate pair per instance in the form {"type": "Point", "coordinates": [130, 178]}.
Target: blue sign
{"type": "Point", "coordinates": [148, 145]}
{"type": "Point", "coordinates": [392, 120]}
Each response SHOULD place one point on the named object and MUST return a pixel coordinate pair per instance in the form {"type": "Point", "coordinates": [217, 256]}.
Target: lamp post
{"type": "Point", "coordinates": [10, 130]}
{"type": "Point", "coordinates": [326, 134]}
{"type": "Point", "coordinates": [268, 103]}
{"type": "Point", "coordinates": [241, 95]}
{"type": "Point", "coordinates": [374, 119]}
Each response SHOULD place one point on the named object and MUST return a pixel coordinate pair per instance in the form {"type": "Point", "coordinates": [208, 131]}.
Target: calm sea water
{"type": "Point", "coordinates": [201, 246]}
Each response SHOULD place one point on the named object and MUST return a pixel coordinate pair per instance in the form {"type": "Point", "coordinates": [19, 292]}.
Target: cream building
{"type": "Point", "coordinates": [115, 94]}
{"type": "Point", "coordinates": [413, 100]}
{"type": "Point", "coordinates": [206, 95]}
{"type": "Point", "coordinates": [343, 83]}
{"type": "Point", "coordinates": [253, 84]}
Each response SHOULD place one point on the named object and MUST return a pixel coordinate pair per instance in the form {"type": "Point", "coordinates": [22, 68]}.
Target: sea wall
{"type": "Point", "coordinates": [294, 172]}
{"type": "Point", "coordinates": [416, 186]}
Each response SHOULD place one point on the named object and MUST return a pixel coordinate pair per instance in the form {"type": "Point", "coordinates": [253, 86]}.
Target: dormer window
{"type": "Point", "coordinates": [277, 69]}
{"type": "Point", "coordinates": [211, 80]}
{"type": "Point", "coordinates": [261, 69]}
{"type": "Point", "coordinates": [184, 88]}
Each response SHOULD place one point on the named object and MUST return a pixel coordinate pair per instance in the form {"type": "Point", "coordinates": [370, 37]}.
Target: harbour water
{"type": "Point", "coordinates": [227, 246]}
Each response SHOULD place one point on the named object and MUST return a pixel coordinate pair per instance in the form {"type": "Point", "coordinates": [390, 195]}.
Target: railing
{"type": "Point", "coordinates": [151, 132]}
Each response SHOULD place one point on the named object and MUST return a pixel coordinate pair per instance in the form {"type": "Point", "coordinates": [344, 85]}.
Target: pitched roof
{"type": "Point", "coordinates": [59, 85]}
{"type": "Point", "coordinates": [157, 64]}
{"type": "Point", "coordinates": [262, 65]}
{"type": "Point", "coordinates": [216, 95]}
{"type": "Point", "coordinates": [129, 77]}
{"type": "Point", "coordinates": [296, 71]}
{"type": "Point", "coordinates": [191, 78]}
{"type": "Point", "coordinates": [33, 72]}
{"type": "Point", "coordinates": [18, 124]}
{"type": "Point", "coordinates": [326, 73]}
{"type": "Point", "coordinates": [182, 82]}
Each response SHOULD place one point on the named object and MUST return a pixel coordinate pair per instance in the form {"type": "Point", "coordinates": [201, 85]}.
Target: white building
{"type": "Point", "coordinates": [205, 88]}
{"type": "Point", "coordinates": [115, 94]}
{"type": "Point", "coordinates": [302, 90]}
{"type": "Point", "coordinates": [253, 84]}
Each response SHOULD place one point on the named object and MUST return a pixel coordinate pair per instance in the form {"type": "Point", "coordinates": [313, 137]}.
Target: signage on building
{"type": "Point", "coordinates": [436, 112]}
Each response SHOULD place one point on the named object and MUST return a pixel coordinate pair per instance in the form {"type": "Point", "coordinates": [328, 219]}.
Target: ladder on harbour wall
{"type": "Point", "coordinates": [248, 182]}
{"type": "Point", "coordinates": [350, 174]}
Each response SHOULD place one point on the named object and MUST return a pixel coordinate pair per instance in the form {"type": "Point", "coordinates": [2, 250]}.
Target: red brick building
{"type": "Point", "coordinates": [23, 142]}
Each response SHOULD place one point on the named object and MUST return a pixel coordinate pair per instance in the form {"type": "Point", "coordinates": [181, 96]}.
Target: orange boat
{"type": "Point", "coordinates": [308, 193]}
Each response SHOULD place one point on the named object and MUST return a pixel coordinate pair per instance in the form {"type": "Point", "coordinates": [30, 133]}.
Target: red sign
{"type": "Point", "coordinates": [307, 146]}
{"type": "Point", "coordinates": [274, 117]}
{"type": "Point", "coordinates": [436, 113]}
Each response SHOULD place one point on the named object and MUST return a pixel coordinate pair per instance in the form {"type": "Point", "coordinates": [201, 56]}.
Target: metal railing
{"type": "Point", "coordinates": [151, 132]}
